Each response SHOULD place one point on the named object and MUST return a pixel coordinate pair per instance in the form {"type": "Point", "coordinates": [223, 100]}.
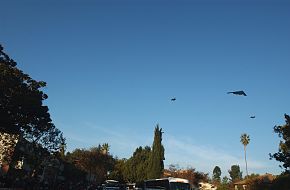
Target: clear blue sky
{"type": "Point", "coordinates": [112, 67]}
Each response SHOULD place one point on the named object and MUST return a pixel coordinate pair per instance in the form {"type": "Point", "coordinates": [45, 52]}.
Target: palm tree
{"type": "Point", "coordinates": [105, 148]}
{"type": "Point", "coordinates": [245, 139]}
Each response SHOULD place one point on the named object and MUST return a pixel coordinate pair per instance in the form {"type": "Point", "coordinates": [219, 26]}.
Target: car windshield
{"type": "Point", "coordinates": [179, 186]}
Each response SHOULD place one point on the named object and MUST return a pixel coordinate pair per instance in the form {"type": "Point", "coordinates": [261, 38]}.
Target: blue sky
{"type": "Point", "coordinates": [113, 66]}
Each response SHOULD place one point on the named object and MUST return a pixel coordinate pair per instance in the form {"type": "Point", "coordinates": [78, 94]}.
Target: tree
{"type": "Point", "coordinates": [190, 174]}
{"type": "Point", "coordinates": [105, 148]}
{"type": "Point", "coordinates": [137, 166]}
{"type": "Point", "coordinates": [118, 172]}
{"type": "Point", "coordinates": [72, 173]}
{"type": "Point", "coordinates": [193, 176]}
{"type": "Point", "coordinates": [217, 174]}
{"type": "Point", "coordinates": [24, 116]}
{"type": "Point", "coordinates": [62, 148]}
{"type": "Point", "coordinates": [224, 185]}
{"type": "Point", "coordinates": [235, 173]}
{"type": "Point", "coordinates": [156, 164]}
{"type": "Point", "coordinates": [245, 139]}
{"type": "Point", "coordinates": [283, 154]}
{"type": "Point", "coordinates": [21, 107]}
{"type": "Point", "coordinates": [93, 162]}
{"type": "Point", "coordinates": [172, 170]}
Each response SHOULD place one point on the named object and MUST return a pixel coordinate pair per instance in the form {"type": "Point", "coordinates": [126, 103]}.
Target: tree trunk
{"type": "Point", "coordinates": [246, 161]}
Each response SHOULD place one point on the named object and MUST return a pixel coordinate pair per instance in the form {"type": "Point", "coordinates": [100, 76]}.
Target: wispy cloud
{"type": "Point", "coordinates": [203, 157]}
{"type": "Point", "coordinates": [122, 143]}
{"type": "Point", "coordinates": [179, 151]}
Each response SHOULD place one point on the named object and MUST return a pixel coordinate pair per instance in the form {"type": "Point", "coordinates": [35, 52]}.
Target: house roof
{"type": "Point", "coordinates": [266, 178]}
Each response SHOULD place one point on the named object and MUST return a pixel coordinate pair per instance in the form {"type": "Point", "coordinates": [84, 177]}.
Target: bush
{"type": "Point", "coordinates": [282, 182]}
{"type": "Point", "coordinates": [259, 184]}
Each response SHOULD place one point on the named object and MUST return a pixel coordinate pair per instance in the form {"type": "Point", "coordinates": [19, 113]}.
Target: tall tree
{"type": "Point", "coordinates": [21, 107]}
{"type": "Point", "coordinates": [283, 154]}
{"type": "Point", "coordinates": [235, 173]}
{"type": "Point", "coordinates": [156, 164]}
{"type": "Point", "coordinates": [137, 166]}
{"type": "Point", "coordinates": [216, 174]}
{"type": "Point", "coordinates": [245, 139]}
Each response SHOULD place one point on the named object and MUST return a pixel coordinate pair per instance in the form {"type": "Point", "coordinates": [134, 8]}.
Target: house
{"type": "Point", "coordinates": [244, 184]}
{"type": "Point", "coordinates": [206, 186]}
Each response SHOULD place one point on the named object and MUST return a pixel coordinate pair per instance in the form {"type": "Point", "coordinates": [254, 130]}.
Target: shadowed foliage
{"type": "Point", "coordinates": [283, 154]}
{"type": "Point", "coordinates": [92, 161]}
{"type": "Point", "coordinates": [21, 106]}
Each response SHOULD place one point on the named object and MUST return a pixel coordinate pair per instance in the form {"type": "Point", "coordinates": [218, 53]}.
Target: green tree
{"type": "Point", "coordinates": [283, 154]}
{"type": "Point", "coordinates": [137, 166]}
{"type": "Point", "coordinates": [216, 174]}
{"type": "Point", "coordinates": [156, 164]}
{"type": "Point", "coordinates": [21, 107]}
{"type": "Point", "coordinates": [245, 139]}
{"type": "Point", "coordinates": [225, 180]}
{"type": "Point", "coordinates": [118, 172]}
{"type": "Point", "coordinates": [235, 173]}
{"type": "Point", "coordinates": [224, 185]}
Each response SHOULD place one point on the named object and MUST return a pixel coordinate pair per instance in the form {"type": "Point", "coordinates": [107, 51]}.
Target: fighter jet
{"type": "Point", "coordinates": [173, 99]}
{"type": "Point", "coordinates": [241, 93]}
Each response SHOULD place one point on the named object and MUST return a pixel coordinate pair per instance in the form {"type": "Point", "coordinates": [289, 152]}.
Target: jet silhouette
{"type": "Point", "coordinates": [242, 93]}
{"type": "Point", "coordinates": [173, 99]}
{"type": "Point", "coordinates": [252, 117]}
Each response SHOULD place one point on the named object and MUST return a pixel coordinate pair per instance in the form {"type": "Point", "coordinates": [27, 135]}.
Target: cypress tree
{"type": "Point", "coordinates": [156, 165]}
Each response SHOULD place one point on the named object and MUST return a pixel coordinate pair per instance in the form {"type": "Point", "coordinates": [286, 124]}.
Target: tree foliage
{"type": "Point", "coordinates": [21, 106]}
{"type": "Point", "coordinates": [283, 154]}
{"type": "Point", "coordinates": [145, 162]}
{"type": "Point", "coordinates": [216, 174]}
{"type": "Point", "coordinates": [235, 173]}
{"type": "Point", "coordinates": [118, 172]}
{"type": "Point", "coordinates": [72, 173]}
{"type": "Point", "coordinates": [225, 184]}
{"type": "Point", "coordinates": [190, 174]}
{"type": "Point", "coordinates": [156, 165]}
{"type": "Point", "coordinates": [282, 182]}
{"type": "Point", "coordinates": [137, 166]}
{"type": "Point", "coordinates": [8, 143]}
{"type": "Point", "coordinates": [93, 161]}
